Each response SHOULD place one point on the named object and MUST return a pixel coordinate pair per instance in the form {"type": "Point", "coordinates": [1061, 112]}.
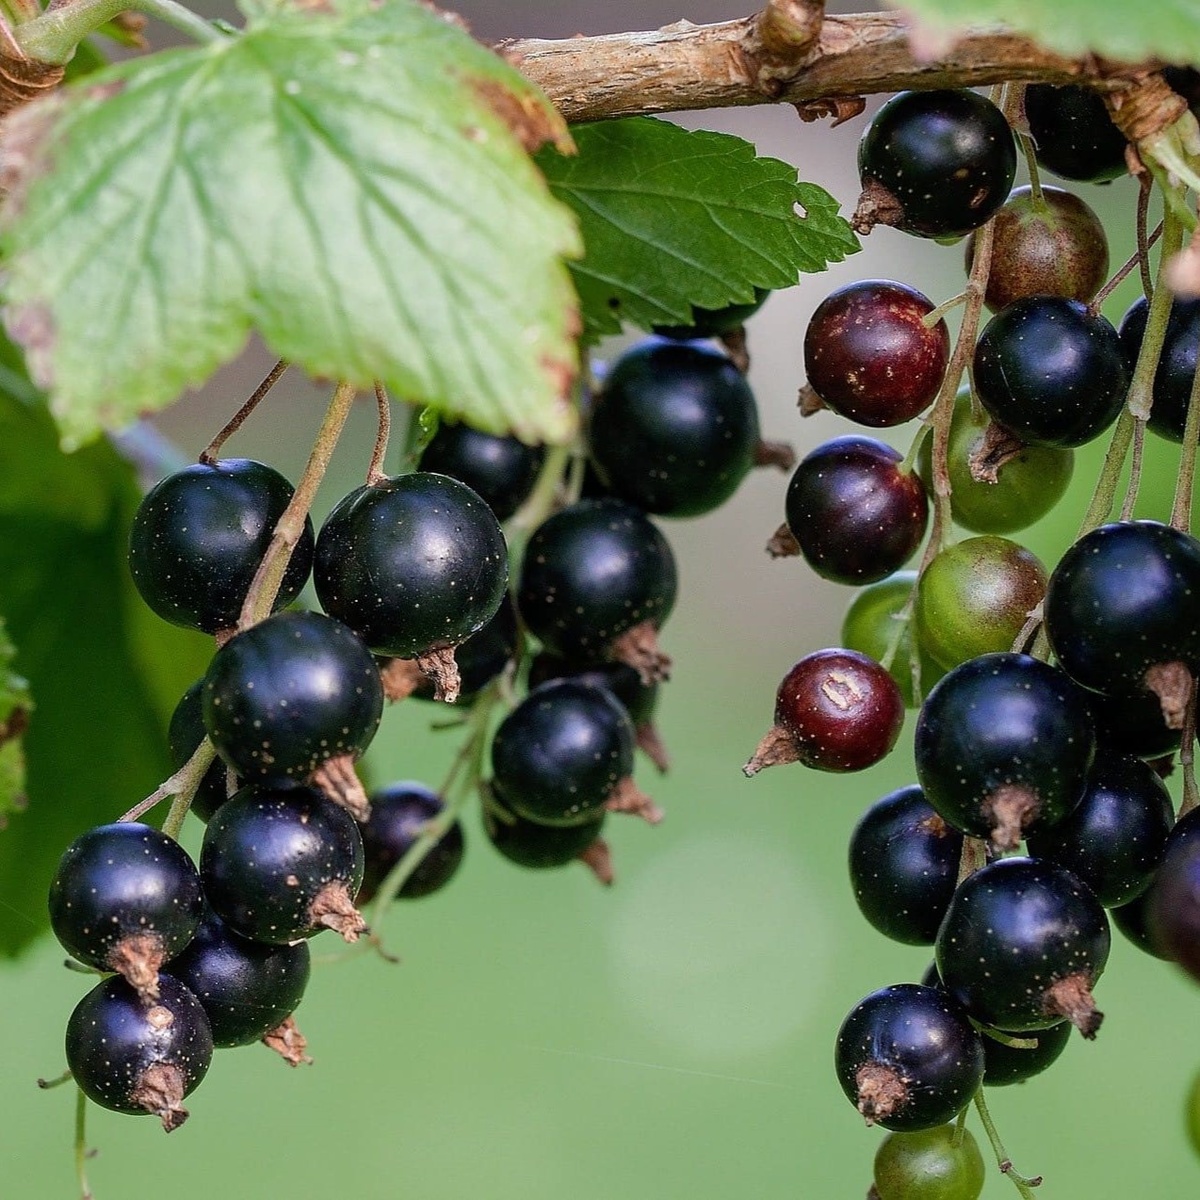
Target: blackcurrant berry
{"type": "Point", "coordinates": [564, 754]}
{"type": "Point", "coordinates": [1004, 1064]}
{"type": "Point", "coordinates": [1017, 484]}
{"type": "Point", "coordinates": [1022, 945]}
{"type": "Point", "coordinates": [184, 735]}
{"type": "Point", "coordinates": [975, 597]}
{"type": "Point", "coordinates": [289, 694]}
{"type": "Point", "coordinates": [247, 989]}
{"type": "Point", "coordinates": [869, 627]}
{"type": "Point", "coordinates": [134, 1058]}
{"type": "Point", "coordinates": [400, 814]}
{"type": "Point", "coordinates": [1051, 371]}
{"type": "Point", "coordinates": [907, 1057]}
{"type": "Point", "coordinates": [597, 580]}
{"type": "Point", "coordinates": [1115, 837]}
{"type": "Point", "coordinates": [714, 322]}
{"type": "Point", "coordinates": [674, 429]}
{"type": "Point", "coordinates": [835, 710]}
{"type": "Point", "coordinates": [870, 356]}
{"type": "Point", "coordinates": [199, 535]}
{"type": "Point", "coordinates": [413, 564]}
{"type": "Point", "coordinates": [125, 898]}
{"type": "Point", "coordinates": [936, 163]}
{"type": "Point", "coordinates": [857, 516]}
{"type": "Point", "coordinates": [1173, 906]}
{"type": "Point", "coordinates": [1122, 611]}
{"type": "Point", "coordinates": [1002, 742]}
{"type": "Point", "coordinates": [1132, 920]}
{"type": "Point", "coordinates": [1176, 362]}
{"type": "Point", "coordinates": [281, 865]}
{"type": "Point", "coordinates": [904, 866]}
{"type": "Point", "coordinates": [538, 847]}
{"type": "Point", "coordinates": [639, 698]}
{"type": "Point", "coordinates": [1054, 245]}
{"type": "Point", "coordinates": [1073, 135]}
{"type": "Point", "coordinates": [942, 1163]}
{"type": "Point", "coordinates": [500, 470]}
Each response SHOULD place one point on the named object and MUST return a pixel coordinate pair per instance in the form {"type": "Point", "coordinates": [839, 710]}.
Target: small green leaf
{"type": "Point", "coordinates": [673, 218]}
{"type": "Point", "coordinates": [349, 181]}
{"type": "Point", "coordinates": [104, 671]}
{"type": "Point", "coordinates": [1166, 29]}
{"type": "Point", "coordinates": [15, 705]}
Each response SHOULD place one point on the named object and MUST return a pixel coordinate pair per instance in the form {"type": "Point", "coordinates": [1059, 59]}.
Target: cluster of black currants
{"type": "Point", "coordinates": [1062, 748]}
{"type": "Point", "coordinates": [412, 573]}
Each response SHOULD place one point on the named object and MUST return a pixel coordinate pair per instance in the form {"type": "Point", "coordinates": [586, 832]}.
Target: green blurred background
{"type": "Point", "coordinates": [672, 1037]}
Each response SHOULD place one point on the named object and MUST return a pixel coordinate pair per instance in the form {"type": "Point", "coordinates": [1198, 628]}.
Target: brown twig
{"type": "Point", "coordinates": [211, 452]}
{"type": "Point", "coordinates": [686, 66]}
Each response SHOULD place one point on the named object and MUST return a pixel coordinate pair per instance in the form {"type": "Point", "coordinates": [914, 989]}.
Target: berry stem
{"type": "Point", "coordinates": [541, 503]}
{"type": "Point", "coordinates": [53, 36]}
{"type": "Point", "coordinates": [81, 1150]}
{"type": "Point", "coordinates": [470, 754]}
{"type": "Point", "coordinates": [1137, 259]}
{"type": "Point", "coordinates": [57, 1081]}
{"type": "Point", "coordinates": [1145, 190]}
{"type": "Point", "coordinates": [974, 856]}
{"type": "Point", "coordinates": [212, 451]}
{"type": "Point", "coordinates": [375, 472]}
{"type": "Point", "coordinates": [931, 318]}
{"type": "Point", "coordinates": [1141, 386]}
{"type": "Point", "coordinates": [184, 782]}
{"type": "Point", "coordinates": [1135, 471]}
{"type": "Point", "coordinates": [290, 527]}
{"type": "Point", "coordinates": [1023, 1184]}
{"type": "Point", "coordinates": [1181, 506]}
{"type": "Point", "coordinates": [960, 1127]}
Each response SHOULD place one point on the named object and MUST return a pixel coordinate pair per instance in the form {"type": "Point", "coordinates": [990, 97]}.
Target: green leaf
{"type": "Point", "coordinates": [105, 672]}
{"type": "Point", "coordinates": [350, 182]}
{"type": "Point", "coordinates": [15, 705]}
{"type": "Point", "coordinates": [1166, 29]}
{"type": "Point", "coordinates": [673, 218]}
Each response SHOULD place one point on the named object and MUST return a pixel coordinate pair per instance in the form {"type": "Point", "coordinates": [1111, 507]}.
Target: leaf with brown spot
{"type": "Point", "coordinates": [350, 183]}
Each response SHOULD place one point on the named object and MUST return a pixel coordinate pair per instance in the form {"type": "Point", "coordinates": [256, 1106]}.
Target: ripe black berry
{"type": "Point", "coordinates": [1176, 362]}
{"type": "Point", "coordinates": [1115, 837]}
{"type": "Point", "coordinates": [636, 696]}
{"type": "Point", "coordinates": [125, 898]}
{"type": "Point", "coordinates": [199, 535]}
{"type": "Point", "coordinates": [564, 754]}
{"type": "Point", "coordinates": [500, 470]}
{"type": "Point", "coordinates": [184, 735]}
{"type": "Point", "coordinates": [907, 1057]}
{"type": "Point", "coordinates": [1055, 246]}
{"type": "Point", "coordinates": [1173, 906]}
{"type": "Point", "coordinates": [869, 355]}
{"type": "Point", "coordinates": [1002, 742]}
{"type": "Point", "coordinates": [289, 694]}
{"type": "Point", "coordinates": [835, 710]}
{"type": "Point", "coordinates": [131, 1058]}
{"type": "Point", "coordinates": [1022, 946]}
{"type": "Point", "coordinates": [247, 989]}
{"type": "Point", "coordinates": [281, 865]}
{"type": "Point", "coordinates": [1004, 1064]}
{"type": "Point", "coordinates": [1073, 134]}
{"type": "Point", "coordinates": [936, 163]}
{"type": "Point", "coordinates": [400, 814]}
{"type": "Point", "coordinates": [1051, 371]}
{"type": "Point", "coordinates": [904, 866]}
{"type": "Point", "coordinates": [598, 579]}
{"type": "Point", "coordinates": [856, 515]}
{"type": "Point", "coordinates": [412, 564]}
{"type": "Point", "coordinates": [674, 428]}
{"type": "Point", "coordinates": [1122, 611]}
{"type": "Point", "coordinates": [540, 847]}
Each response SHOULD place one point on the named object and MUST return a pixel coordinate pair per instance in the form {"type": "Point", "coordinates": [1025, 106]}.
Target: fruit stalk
{"type": "Point", "coordinates": [1181, 507]}
{"type": "Point", "coordinates": [1023, 1184]}
{"type": "Point", "coordinates": [375, 471]}
{"type": "Point", "coordinates": [212, 451]}
{"type": "Point", "coordinates": [81, 1150]}
{"type": "Point", "coordinates": [265, 585]}
{"type": "Point", "coordinates": [182, 784]}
